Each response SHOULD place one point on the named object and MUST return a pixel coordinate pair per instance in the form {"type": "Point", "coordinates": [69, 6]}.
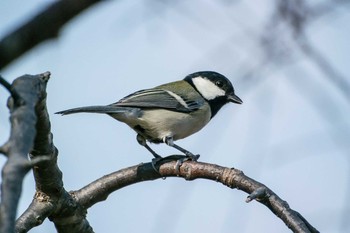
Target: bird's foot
{"type": "Point", "coordinates": [155, 161]}
{"type": "Point", "coordinates": [180, 159]}
{"type": "Point", "coordinates": [187, 157]}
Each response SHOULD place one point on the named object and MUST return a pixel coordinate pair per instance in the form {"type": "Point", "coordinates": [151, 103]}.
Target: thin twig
{"type": "Point", "coordinates": [6, 84]}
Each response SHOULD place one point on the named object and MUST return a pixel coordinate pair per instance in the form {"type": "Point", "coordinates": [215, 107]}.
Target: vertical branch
{"type": "Point", "coordinates": [30, 89]}
{"type": "Point", "coordinates": [51, 200]}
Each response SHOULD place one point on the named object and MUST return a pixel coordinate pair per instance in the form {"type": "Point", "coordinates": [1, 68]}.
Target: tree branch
{"type": "Point", "coordinates": [4, 83]}
{"type": "Point", "coordinates": [16, 98]}
{"type": "Point", "coordinates": [46, 25]}
{"type": "Point", "coordinates": [30, 133]}
{"type": "Point", "coordinates": [23, 119]}
{"type": "Point", "coordinates": [100, 189]}
{"type": "Point", "coordinates": [40, 208]}
{"type": "Point", "coordinates": [51, 199]}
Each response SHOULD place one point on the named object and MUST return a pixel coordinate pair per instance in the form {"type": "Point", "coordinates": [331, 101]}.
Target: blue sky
{"type": "Point", "coordinates": [291, 133]}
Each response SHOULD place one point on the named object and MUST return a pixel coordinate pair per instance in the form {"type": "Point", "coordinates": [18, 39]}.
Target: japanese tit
{"type": "Point", "coordinates": [170, 111]}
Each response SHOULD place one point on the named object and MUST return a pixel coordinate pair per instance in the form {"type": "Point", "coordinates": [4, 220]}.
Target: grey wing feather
{"type": "Point", "coordinates": [158, 98]}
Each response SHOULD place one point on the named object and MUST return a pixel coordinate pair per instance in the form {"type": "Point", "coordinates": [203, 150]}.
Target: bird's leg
{"type": "Point", "coordinates": [188, 155]}
{"type": "Point", "coordinates": [142, 141]}
{"type": "Point", "coordinates": [170, 142]}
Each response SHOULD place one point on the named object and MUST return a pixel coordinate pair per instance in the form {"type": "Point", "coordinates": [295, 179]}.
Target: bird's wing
{"type": "Point", "coordinates": [159, 98]}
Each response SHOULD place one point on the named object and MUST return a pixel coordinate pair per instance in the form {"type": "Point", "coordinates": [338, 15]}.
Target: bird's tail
{"type": "Point", "coordinates": [93, 109]}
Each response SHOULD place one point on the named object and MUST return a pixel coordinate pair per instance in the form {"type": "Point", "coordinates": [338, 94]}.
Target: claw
{"type": "Point", "coordinates": [154, 163]}
{"type": "Point", "coordinates": [180, 161]}
{"type": "Point", "coordinates": [178, 164]}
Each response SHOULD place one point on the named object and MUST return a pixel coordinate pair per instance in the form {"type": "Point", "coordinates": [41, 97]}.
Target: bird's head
{"type": "Point", "coordinates": [215, 88]}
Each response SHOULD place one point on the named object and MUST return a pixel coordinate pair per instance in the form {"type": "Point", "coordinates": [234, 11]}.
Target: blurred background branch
{"type": "Point", "coordinates": [46, 25]}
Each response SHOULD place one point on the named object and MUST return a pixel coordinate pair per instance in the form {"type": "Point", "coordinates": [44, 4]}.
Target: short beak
{"type": "Point", "coordinates": [234, 99]}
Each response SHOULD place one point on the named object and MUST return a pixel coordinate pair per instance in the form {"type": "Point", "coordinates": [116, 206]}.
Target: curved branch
{"type": "Point", "coordinates": [43, 26]}
{"type": "Point", "coordinates": [100, 189]}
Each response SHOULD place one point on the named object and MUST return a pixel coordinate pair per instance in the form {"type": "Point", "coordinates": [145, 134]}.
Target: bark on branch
{"type": "Point", "coordinates": [30, 93]}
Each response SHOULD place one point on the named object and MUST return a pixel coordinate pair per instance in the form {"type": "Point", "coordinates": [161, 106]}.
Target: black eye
{"type": "Point", "coordinates": [219, 84]}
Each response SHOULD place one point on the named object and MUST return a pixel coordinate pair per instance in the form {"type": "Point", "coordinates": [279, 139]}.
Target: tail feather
{"type": "Point", "coordinates": [93, 109]}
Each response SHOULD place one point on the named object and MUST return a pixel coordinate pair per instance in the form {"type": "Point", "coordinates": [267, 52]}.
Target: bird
{"type": "Point", "coordinates": [171, 111]}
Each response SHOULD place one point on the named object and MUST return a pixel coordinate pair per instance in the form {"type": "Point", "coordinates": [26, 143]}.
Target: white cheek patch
{"type": "Point", "coordinates": [208, 89]}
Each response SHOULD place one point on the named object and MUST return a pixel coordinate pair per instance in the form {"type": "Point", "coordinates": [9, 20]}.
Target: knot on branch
{"type": "Point", "coordinates": [187, 171]}
{"type": "Point", "coordinates": [259, 194]}
{"type": "Point", "coordinates": [70, 216]}
{"type": "Point", "coordinates": [42, 197]}
{"type": "Point", "coordinates": [229, 177]}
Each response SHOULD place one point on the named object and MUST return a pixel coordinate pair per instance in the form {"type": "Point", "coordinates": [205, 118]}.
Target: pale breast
{"type": "Point", "coordinates": [156, 124]}
{"type": "Point", "coordinates": [161, 123]}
